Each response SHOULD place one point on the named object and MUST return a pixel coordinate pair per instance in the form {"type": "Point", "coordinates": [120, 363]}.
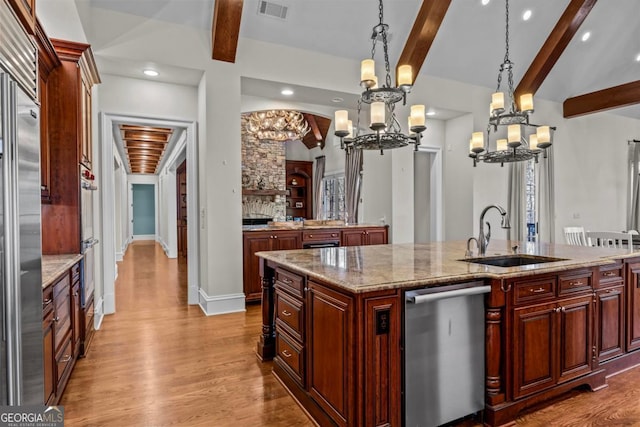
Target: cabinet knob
{"type": "Point", "coordinates": [310, 235]}
{"type": "Point", "coordinates": [275, 237]}
{"type": "Point", "coordinates": [56, 319]}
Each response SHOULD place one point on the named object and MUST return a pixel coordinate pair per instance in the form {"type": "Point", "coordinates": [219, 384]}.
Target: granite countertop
{"type": "Point", "coordinates": [369, 268]}
{"type": "Point", "coordinates": [54, 265]}
{"type": "Point", "coordinates": [305, 227]}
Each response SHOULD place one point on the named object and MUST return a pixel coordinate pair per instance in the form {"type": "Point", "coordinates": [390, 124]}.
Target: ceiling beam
{"type": "Point", "coordinates": [146, 128]}
{"type": "Point", "coordinates": [422, 34]}
{"type": "Point", "coordinates": [225, 29]}
{"type": "Point", "coordinates": [314, 138]}
{"type": "Point", "coordinates": [558, 40]}
{"type": "Point", "coordinates": [601, 100]}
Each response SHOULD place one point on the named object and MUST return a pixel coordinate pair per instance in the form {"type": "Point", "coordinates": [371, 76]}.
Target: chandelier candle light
{"type": "Point", "coordinates": [277, 125]}
{"type": "Point", "coordinates": [509, 124]}
{"type": "Point", "coordinates": [382, 99]}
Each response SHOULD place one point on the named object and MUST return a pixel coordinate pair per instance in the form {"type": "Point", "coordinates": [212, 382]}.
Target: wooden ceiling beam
{"type": "Point", "coordinates": [142, 137]}
{"type": "Point", "coordinates": [602, 100]}
{"type": "Point", "coordinates": [558, 40]}
{"type": "Point", "coordinates": [313, 138]}
{"type": "Point", "coordinates": [225, 29]}
{"type": "Point", "coordinates": [422, 34]}
{"type": "Point", "coordinates": [145, 129]}
{"type": "Point", "coordinates": [144, 147]}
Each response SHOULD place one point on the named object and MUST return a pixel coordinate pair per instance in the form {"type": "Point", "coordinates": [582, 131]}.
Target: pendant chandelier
{"type": "Point", "coordinates": [509, 124]}
{"type": "Point", "coordinates": [382, 100]}
{"type": "Point", "coordinates": [277, 125]}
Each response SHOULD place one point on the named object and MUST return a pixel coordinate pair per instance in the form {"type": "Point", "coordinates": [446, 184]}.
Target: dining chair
{"type": "Point", "coordinates": [610, 239]}
{"type": "Point", "coordinates": [575, 236]}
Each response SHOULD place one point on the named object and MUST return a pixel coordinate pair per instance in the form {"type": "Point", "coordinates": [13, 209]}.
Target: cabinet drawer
{"type": "Point", "coordinates": [527, 291]}
{"type": "Point", "coordinates": [291, 354]}
{"type": "Point", "coordinates": [290, 281]}
{"type": "Point", "coordinates": [47, 301]}
{"type": "Point", "coordinates": [61, 287]}
{"type": "Point", "coordinates": [289, 314]}
{"type": "Point", "coordinates": [75, 273]}
{"type": "Point", "coordinates": [321, 236]}
{"type": "Point", "coordinates": [610, 275]}
{"type": "Point", "coordinates": [64, 358]}
{"type": "Point", "coordinates": [574, 283]}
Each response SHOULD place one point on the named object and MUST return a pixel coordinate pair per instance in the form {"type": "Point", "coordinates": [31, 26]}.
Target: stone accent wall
{"type": "Point", "coordinates": [263, 167]}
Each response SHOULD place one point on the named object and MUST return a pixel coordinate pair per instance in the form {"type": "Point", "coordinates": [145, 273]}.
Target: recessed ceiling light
{"type": "Point", "coordinates": [337, 99]}
{"type": "Point", "coordinates": [431, 113]}
{"type": "Point", "coordinates": [485, 2]}
{"type": "Point", "coordinates": [586, 36]}
{"type": "Point", "coordinates": [150, 73]}
{"type": "Point", "coordinates": [286, 92]}
{"type": "Point", "coordinates": [638, 58]}
{"type": "Point", "coordinates": [526, 15]}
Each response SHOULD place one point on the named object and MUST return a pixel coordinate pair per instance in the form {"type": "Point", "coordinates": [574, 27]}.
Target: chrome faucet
{"type": "Point", "coordinates": [483, 239]}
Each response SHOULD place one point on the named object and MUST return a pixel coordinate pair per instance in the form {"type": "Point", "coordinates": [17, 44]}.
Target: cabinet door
{"type": "Point", "coordinates": [633, 306]}
{"type": "Point", "coordinates": [330, 341]}
{"type": "Point", "coordinates": [254, 242]}
{"type": "Point", "coordinates": [77, 316]}
{"type": "Point", "coordinates": [355, 237]}
{"type": "Point", "coordinates": [45, 175]}
{"type": "Point", "coordinates": [576, 337]}
{"type": "Point", "coordinates": [49, 359]}
{"type": "Point", "coordinates": [85, 137]}
{"type": "Point", "coordinates": [610, 324]}
{"type": "Point", "coordinates": [376, 236]}
{"type": "Point", "coordinates": [535, 348]}
{"type": "Point", "coordinates": [284, 240]}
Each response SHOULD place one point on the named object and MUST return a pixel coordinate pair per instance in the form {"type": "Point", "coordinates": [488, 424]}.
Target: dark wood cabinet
{"type": "Point", "coordinates": [48, 345]}
{"type": "Point", "coordinates": [364, 236]}
{"type": "Point", "coordinates": [69, 136]}
{"type": "Point", "coordinates": [26, 12]}
{"type": "Point", "coordinates": [47, 61]}
{"type": "Point", "coordinates": [299, 184]}
{"type": "Point", "coordinates": [610, 326]}
{"type": "Point", "coordinates": [633, 305]}
{"type": "Point", "coordinates": [257, 241]}
{"type": "Point", "coordinates": [77, 317]}
{"type": "Point", "coordinates": [552, 337]}
{"type": "Point", "coordinates": [330, 346]}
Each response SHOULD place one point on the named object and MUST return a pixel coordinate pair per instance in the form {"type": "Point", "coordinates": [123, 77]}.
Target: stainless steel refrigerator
{"type": "Point", "coordinates": [21, 350]}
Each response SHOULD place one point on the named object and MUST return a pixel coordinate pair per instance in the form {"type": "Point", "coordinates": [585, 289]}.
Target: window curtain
{"type": "Point", "coordinates": [317, 187]}
{"type": "Point", "coordinates": [546, 199]}
{"type": "Point", "coordinates": [633, 212]}
{"type": "Point", "coordinates": [352, 169]}
{"type": "Point", "coordinates": [517, 201]}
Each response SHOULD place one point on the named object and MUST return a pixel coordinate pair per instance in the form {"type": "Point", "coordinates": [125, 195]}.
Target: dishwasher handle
{"type": "Point", "coordinates": [415, 298]}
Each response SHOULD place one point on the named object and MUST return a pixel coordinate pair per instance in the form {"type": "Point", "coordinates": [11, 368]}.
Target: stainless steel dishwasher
{"type": "Point", "coordinates": [444, 337]}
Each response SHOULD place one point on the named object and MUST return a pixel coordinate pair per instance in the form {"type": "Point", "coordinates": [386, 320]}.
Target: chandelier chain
{"type": "Point", "coordinates": [383, 31]}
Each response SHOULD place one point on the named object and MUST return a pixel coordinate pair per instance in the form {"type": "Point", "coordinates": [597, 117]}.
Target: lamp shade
{"type": "Point", "coordinates": [477, 142]}
{"type": "Point", "coordinates": [405, 75]}
{"type": "Point", "coordinates": [533, 141]}
{"type": "Point", "coordinates": [497, 101]}
{"type": "Point", "coordinates": [377, 113]}
{"type": "Point", "coordinates": [526, 103]}
{"type": "Point", "coordinates": [350, 128]}
{"type": "Point", "coordinates": [367, 70]}
{"type": "Point", "coordinates": [341, 120]}
{"type": "Point", "coordinates": [417, 115]}
{"type": "Point", "coordinates": [543, 134]}
{"type": "Point", "coordinates": [501, 145]}
{"type": "Point", "coordinates": [513, 135]}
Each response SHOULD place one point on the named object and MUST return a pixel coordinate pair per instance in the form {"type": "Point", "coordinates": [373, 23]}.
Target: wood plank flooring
{"type": "Point", "coordinates": [160, 362]}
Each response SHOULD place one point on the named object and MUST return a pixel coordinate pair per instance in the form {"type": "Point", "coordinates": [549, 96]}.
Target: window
{"type": "Point", "coordinates": [333, 197]}
{"type": "Point", "coordinates": [530, 197]}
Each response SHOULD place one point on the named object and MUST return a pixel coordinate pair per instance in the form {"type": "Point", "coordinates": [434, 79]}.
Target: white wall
{"type": "Point", "coordinates": [60, 20]}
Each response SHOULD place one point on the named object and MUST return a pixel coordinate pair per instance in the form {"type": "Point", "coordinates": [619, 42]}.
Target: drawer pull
{"type": "Point", "coordinates": [609, 274]}
{"type": "Point", "coordinates": [46, 302]}
{"type": "Point", "coordinates": [65, 358]}
{"type": "Point", "coordinates": [286, 354]}
{"type": "Point", "coordinates": [286, 313]}
{"type": "Point", "coordinates": [537, 291]}
{"type": "Point", "coordinates": [287, 281]}
{"type": "Point", "coordinates": [577, 283]}
{"type": "Point", "coordinates": [310, 235]}
{"type": "Point", "coordinates": [56, 319]}
{"type": "Point", "coordinates": [334, 234]}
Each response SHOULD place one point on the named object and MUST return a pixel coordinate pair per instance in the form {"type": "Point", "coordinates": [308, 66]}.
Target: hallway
{"type": "Point", "coordinates": [160, 362]}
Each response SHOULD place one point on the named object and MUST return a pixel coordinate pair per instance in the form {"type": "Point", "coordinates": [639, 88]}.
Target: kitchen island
{"type": "Point", "coordinates": [333, 323]}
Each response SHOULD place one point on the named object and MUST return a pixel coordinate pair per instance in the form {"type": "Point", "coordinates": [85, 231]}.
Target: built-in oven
{"type": "Point", "coordinates": [88, 240]}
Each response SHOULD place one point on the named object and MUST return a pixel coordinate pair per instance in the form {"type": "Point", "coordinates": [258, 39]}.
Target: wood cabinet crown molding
{"type": "Point", "coordinates": [75, 51]}
{"type": "Point", "coordinates": [47, 58]}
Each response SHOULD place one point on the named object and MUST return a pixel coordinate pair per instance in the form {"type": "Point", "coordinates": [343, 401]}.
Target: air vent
{"type": "Point", "coordinates": [274, 10]}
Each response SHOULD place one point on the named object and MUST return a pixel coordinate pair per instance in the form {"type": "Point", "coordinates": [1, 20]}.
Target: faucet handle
{"type": "Point", "coordinates": [514, 249]}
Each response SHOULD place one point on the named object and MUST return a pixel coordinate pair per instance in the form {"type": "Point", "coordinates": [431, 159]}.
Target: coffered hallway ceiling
{"type": "Point", "coordinates": [468, 48]}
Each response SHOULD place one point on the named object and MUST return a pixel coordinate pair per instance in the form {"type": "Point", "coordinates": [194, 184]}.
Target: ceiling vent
{"type": "Point", "coordinates": [274, 10]}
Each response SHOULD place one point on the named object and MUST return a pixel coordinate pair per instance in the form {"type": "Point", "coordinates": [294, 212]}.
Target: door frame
{"type": "Point", "coordinates": [435, 191]}
{"type": "Point", "coordinates": [107, 202]}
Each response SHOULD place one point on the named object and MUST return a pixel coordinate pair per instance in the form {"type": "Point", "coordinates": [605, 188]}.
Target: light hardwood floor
{"type": "Point", "coordinates": [160, 362]}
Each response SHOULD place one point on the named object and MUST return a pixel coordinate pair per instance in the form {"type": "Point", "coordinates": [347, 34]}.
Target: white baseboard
{"type": "Point", "coordinates": [221, 304]}
{"type": "Point", "coordinates": [144, 237]}
{"type": "Point", "coordinates": [115, 277]}
{"type": "Point", "coordinates": [119, 256]}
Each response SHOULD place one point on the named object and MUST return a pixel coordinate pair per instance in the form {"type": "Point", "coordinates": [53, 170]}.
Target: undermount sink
{"type": "Point", "coordinates": [512, 260]}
